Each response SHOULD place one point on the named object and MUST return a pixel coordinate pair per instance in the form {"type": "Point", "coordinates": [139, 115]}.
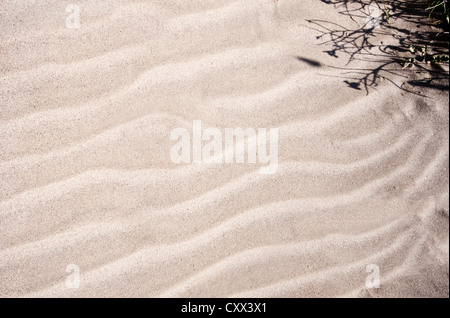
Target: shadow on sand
{"type": "Point", "coordinates": [411, 53]}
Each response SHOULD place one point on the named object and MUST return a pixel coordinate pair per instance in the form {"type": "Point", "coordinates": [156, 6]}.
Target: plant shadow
{"type": "Point", "coordinates": [410, 54]}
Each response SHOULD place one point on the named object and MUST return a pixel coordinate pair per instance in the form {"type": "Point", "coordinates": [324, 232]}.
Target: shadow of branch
{"type": "Point", "coordinates": [414, 50]}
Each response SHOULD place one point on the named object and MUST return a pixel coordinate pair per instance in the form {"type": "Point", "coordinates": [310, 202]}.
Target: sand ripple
{"type": "Point", "coordinates": [86, 177]}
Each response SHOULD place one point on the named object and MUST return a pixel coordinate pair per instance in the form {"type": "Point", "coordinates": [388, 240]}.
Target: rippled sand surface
{"type": "Point", "coordinates": [86, 176]}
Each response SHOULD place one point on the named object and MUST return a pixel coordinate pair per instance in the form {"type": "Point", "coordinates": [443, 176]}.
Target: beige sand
{"type": "Point", "coordinates": [86, 177]}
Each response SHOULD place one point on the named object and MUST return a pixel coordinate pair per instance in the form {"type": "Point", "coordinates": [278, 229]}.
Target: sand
{"type": "Point", "coordinates": [87, 183]}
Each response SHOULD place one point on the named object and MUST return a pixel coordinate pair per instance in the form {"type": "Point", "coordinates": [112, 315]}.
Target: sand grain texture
{"type": "Point", "coordinates": [86, 177]}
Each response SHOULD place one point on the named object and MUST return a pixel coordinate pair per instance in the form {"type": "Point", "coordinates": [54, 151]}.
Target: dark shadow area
{"type": "Point", "coordinates": [309, 61]}
{"type": "Point", "coordinates": [417, 53]}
